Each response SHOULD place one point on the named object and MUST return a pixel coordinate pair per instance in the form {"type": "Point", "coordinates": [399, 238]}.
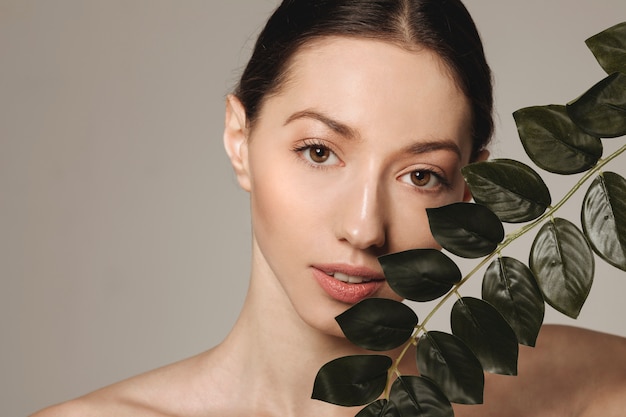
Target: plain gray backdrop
{"type": "Point", "coordinates": [124, 240]}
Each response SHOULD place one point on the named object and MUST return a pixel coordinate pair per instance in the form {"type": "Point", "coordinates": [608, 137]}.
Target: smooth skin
{"type": "Point", "coordinates": [340, 167]}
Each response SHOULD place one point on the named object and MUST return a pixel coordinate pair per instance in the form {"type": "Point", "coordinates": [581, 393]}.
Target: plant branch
{"type": "Point", "coordinates": [506, 242]}
{"type": "Point", "coordinates": [525, 229]}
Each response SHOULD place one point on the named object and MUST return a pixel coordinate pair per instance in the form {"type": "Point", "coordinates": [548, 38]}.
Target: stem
{"type": "Point", "coordinates": [525, 229]}
{"type": "Point", "coordinates": [506, 242]}
{"type": "Point", "coordinates": [601, 163]}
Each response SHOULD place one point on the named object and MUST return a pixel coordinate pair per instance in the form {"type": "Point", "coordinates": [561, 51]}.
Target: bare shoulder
{"type": "Point", "coordinates": [90, 406]}
{"type": "Point", "coordinates": [572, 351]}
{"type": "Point", "coordinates": [599, 362]}
{"type": "Point", "coordinates": [564, 331]}
{"type": "Point", "coordinates": [570, 371]}
{"type": "Point", "coordinates": [120, 399]}
{"type": "Point", "coordinates": [69, 409]}
{"type": "Point", "coordinates": [597, 347]}
{"type": "Point", "coordinates": [169, 391]}
{"type": "Point", "coordinates": [584, 364]}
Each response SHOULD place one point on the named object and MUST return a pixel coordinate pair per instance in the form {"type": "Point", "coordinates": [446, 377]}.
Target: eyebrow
{"type": "Point", "coordinates": [434, 145]}
{"type": "Point", "coordinates": [422, 147]}
{"type": "Point", "coordinates": [336, 126]}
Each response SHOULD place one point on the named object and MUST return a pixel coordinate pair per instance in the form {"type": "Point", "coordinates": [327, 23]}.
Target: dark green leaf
{"type": "Point", "coordinates": [511, 189]}
{"type": "Point", "coordinates": [563, 264]}
{"type": "Point", "coordinates": [352, 380]}
{"type": "Point", "coordinates": [486, 332]}
{"type": "Point", "coordinates": [609, 48]}
{"type": "Point", "coordinates": [420, 274]}
{"type": "Point", "coordinates": [466, 229]}
{"type": "Point", "coordinates": [378, 323]}
{"type": "Point", "coordinates": [448, 361]}
{"type": "Point", "coordinates": [379, 408]}
{"type": "Point", "coordinates": [511, 288]}
{"type": "Point", "coordinates": [419, 397]}
{"type": "Point", "coordinates": [554, 142]}
{"type": "Point", "coordinates": [601, 111]}
{"type": "Point", "coordinates": [604, 218]}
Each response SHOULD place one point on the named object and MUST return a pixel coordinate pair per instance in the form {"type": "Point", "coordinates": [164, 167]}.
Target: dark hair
{"type": "Point", "coordinates": [443, 26]}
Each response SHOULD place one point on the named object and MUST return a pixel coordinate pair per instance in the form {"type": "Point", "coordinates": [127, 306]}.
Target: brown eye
{"type": "Point", "coordinates": [421, 178]}
{"type": "Point", "coordinates": [319, 154]}
{"type": "Point", "coordinates": [424, 179]}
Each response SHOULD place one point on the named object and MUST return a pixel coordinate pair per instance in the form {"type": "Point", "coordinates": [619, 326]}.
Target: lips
{"type": "Point", "coordinates": [348, 284]}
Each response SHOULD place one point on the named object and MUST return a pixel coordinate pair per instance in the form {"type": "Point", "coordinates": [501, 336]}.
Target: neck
{"type": "Point", "coordinates": [277, 353]}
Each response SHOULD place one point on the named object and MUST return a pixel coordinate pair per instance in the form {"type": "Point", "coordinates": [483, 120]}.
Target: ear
{"type": "Point", "coordinates": [236, 140]}
{"type": "Point", "coordinates": [482, 156]}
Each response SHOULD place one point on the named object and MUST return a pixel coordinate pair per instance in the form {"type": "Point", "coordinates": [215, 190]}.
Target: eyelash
{"type": "Point", "coordinates": [308, 144]}
{"type": "Point", "coordinates": [442, 181]}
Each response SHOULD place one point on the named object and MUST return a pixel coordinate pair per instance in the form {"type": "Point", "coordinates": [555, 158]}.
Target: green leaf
{"type": "Point", "coordinates": [554, 142]}
{"type": "Point", "coordinates": [448, 361]}
{"type": "Point", "coordinates": [511, 189]}
{"type": "Point", "coordinates": [378, 323]}
{"type": "Point", "coordinates": [352, 380]}
{"type": "Point", "coordinates": [420, 274]}
{"type": "Point", "coordinates": [609, 48]}
{"type": "Point", "coordinates": [563, 264]}
{"type": "Point", "coordinates": [419, 396]}
{"type": "Point", "coordinates": [466, 229]}
{"type": "Point", "coordinates": [512, 289]}
{"type": "Point", "coordinates": [604, 218]}
{"type": "Point", "coordinates": [379, 408]}
{"type": "Point", "coordinates": [601, 111]}
{"type": "Point", "coordinates": [487, 334]}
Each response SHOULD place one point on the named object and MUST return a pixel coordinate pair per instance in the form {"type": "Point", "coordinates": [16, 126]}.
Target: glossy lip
{"type": "Point", "coordinates": [345, 292]}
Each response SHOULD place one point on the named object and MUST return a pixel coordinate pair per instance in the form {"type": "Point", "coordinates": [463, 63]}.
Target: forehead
{"type": "Point", "coordinates": [332, 52]}
{"type": "Point", "coordinates": [376, 86]}
{"type": "Point", "coordinates": [365, 49]}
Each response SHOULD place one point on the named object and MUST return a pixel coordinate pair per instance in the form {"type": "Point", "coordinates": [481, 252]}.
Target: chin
{"type": "Point", "coordinates": [321, 318]}
{"type": "Point", "coordinates": [320, 315]}
{"type": "Point", "coordinates": [335, 331]}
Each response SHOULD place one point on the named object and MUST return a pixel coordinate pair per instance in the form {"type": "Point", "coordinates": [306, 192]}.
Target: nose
{"type": "Point", "coordinates": [361, 218]}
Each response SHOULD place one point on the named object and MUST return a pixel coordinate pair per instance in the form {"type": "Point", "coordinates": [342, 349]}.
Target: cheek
{"type": "Point", "coordinates": [270, 193]}
{"type": "Point", "coordinates": [410, 231]}
{"type": "Point", "coordinates": [283, 206]}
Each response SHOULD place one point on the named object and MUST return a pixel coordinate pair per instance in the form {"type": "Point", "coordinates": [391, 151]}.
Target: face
{"type": "Point", "coordinates": [341, 165]}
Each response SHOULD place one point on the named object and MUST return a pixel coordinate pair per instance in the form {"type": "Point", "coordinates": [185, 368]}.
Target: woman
{"type": "Point", "coordinates": [352, 118]}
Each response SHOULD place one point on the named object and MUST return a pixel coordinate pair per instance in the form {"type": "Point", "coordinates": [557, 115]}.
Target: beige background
{"type": "Point", "coordinates": [124, 241]}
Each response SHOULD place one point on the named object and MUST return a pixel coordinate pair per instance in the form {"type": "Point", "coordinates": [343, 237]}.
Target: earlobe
{"type": "Point", "coordinates": [482, 156]}
{"type": "Point", "coordinates": [236, 140]}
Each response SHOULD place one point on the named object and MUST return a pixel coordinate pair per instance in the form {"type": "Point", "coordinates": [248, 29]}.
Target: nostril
{"type": "Point", "coordinates": [369, 233]}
